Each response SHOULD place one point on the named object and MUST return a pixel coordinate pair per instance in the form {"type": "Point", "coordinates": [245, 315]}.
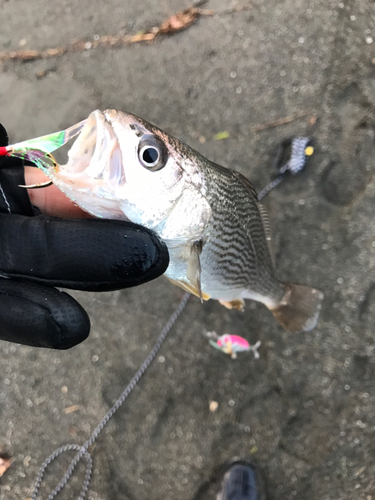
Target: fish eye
{"type": "Point", "coordinates": [152, 153]}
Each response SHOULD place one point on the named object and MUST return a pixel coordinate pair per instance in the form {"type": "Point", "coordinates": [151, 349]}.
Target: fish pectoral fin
{"type": "Point", "coordinates": [194, 269]}
{"type": "Point", "coordinates": [233, 304]}
{"type": "Point", "coordinates": [189, 288]}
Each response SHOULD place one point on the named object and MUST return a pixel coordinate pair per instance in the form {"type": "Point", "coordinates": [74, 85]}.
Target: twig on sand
{"type": "Point", "coordinates": [280, 121]}
{"type": "Point", "coordinates": [236, 8]}
{"type": "Point", "coordinates": [173, 24]}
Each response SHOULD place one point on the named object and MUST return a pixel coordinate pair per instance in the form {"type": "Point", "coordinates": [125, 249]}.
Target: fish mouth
{"type": "Point", "coordinates": [96, 152]}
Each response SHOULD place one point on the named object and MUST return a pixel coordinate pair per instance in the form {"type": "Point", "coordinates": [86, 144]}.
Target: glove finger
{"type": "Point", "coordinates": [4, 139]}
{"type": "Point", "coordinates": [13, 199]}
{"type": "Point", "coordinates": [82, 254]}
{"type": "Point", "coordinates": [40, 316]}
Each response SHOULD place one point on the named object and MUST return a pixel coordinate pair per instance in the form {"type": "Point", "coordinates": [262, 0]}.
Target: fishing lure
{"type": "Point", "coordinates": [45, 144]}
{"type": "Point", "coordinates": [232, 344]}
{"type": "Point", "coordinates": [39, 150]}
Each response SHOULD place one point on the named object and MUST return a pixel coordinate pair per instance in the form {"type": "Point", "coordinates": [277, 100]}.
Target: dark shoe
{"type": "Point", "coordinates": [241, 482]}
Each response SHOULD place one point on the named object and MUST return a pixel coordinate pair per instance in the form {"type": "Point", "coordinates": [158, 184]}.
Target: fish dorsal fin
{"type": "Point", "coordinates": [194, 269]}
{"type": "Point", "coordinates": [262, 211]}
{"type": "Point", "coordinates": [245, 181]}
{"type": "Point", "coordinates": [266, 221]}
{"type": "Point", "coordinates": [267, 228]}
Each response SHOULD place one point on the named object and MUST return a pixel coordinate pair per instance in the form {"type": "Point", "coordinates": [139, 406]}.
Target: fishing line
{"type": "Point", "coordinates": [83, 450]}
{"type": "Point", "coordinates": [300, 150]}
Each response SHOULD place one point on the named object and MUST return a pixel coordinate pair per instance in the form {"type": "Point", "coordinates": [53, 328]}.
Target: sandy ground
{"type": "Point", "coordinates": [305, 412]}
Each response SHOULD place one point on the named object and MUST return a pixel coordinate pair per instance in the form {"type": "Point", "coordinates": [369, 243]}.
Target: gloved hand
{"type": "Point", "coordinates": [40, 252]}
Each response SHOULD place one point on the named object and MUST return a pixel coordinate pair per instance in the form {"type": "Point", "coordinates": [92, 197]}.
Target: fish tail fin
{"type": "Point", "coordinates": [299, 309]}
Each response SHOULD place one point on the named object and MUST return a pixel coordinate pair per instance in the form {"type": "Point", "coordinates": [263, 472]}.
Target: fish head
{"type": "Point", "coordinates": [120, 165]}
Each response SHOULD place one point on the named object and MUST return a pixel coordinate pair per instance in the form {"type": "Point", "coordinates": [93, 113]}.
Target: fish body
{"type": "Point", "coordinates": [217, 233]}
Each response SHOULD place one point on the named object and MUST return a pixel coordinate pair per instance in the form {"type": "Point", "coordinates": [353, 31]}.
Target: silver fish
{"type": "Point", "coordinates": [217, 233]}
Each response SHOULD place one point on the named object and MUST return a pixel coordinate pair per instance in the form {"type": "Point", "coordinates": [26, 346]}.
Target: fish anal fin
{"type": "Point", "coordinates": [233, 304]}
{"type": "Point", "coordinates": [194, 269]}
{"type": "Point", "coordinates": [189, 288]}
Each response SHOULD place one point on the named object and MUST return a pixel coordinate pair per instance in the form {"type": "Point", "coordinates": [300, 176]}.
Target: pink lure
{"type": "Point", "coordinates": [231, 344]}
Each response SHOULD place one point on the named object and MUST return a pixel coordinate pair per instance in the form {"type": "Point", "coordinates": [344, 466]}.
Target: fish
{"type": "Point", "coordinates": [232, 344]}
{"type": "Point", "coordinates": [217, 233]}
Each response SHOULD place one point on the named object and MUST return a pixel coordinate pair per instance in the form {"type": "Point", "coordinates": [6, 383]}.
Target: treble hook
{"type": "Point", "coordinates": [39, 185]}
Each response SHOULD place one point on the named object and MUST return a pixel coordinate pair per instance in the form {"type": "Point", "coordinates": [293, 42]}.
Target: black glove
{"type": "Point", "coordinates": [38, 253]}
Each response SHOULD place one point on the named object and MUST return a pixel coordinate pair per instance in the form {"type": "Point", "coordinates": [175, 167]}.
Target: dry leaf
{"type": "Point", "coordinates": [214, 405]}
{"type": "Point", "coordinates": [182, 20]}
{"type": "Point", "coordinates": [72, 430]}
{"type": "Point", "coordinates": [71, 409]}
{"type": "Point", "coordinates": [280, 121]}
{"type": "Point", "coordinates": [142, 37]}
{"type": "Point", "coordinates": [221, 135]}
{"type": "Point", "coordinates": [5, 463]}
